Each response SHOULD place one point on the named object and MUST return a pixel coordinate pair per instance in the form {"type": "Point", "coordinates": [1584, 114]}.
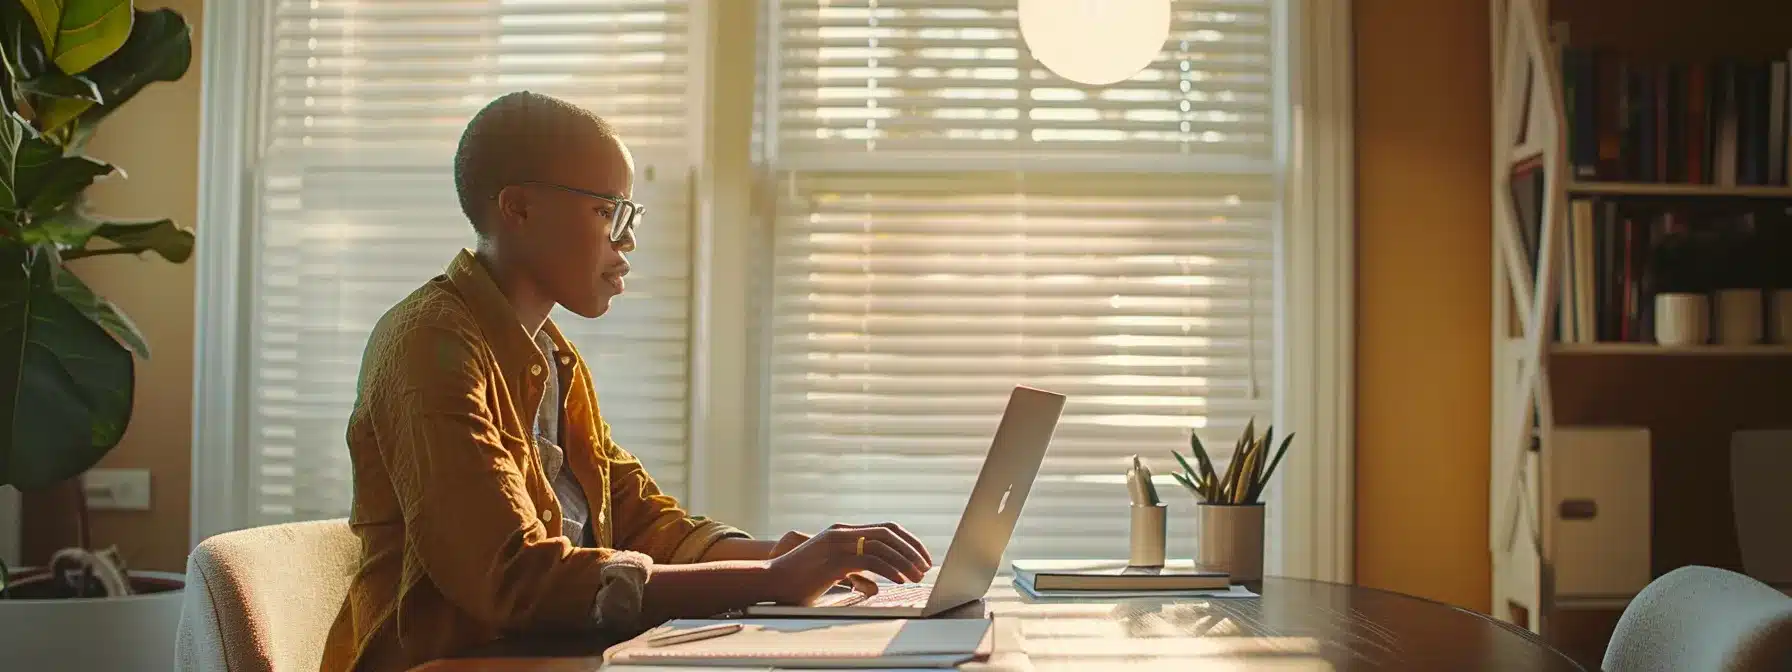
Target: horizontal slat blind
{"type": "Point", "coordinates": [907, 305]}
{"type": "Point", "coordinates": [955, 77]}
{"type": "Point", "coordinates": [363, 105]}
{"type": "Point", "coordinates": [909, 297]}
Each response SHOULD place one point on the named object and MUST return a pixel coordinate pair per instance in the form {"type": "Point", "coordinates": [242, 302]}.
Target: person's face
{"type": "Point", "coordinates": [562, 223]}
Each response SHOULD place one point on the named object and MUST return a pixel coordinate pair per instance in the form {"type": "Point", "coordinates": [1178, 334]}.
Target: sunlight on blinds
{"type": "Point", "coordinates": [907, 301]}
{"type": "Point", "coordinates": [879, 76]}
{"type": "Point", "coordinates": [364, 102]}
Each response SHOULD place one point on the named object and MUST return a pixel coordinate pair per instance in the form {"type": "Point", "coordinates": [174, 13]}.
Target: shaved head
{"type": "Point", "coordinates": [544, 182]}
{"type": "Point", "coordinates": [508, 141]}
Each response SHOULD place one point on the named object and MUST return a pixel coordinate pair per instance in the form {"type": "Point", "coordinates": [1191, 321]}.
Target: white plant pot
{"type": "Point", "coordinates": [1737, 314]}
{"type": "Point", "coordinates": [1780, 318]}
{"type": "Point", "coordinates": [1229, 538]}
{"type": "Point", "coordinates": [130, 633]}
{"type": "Point", "coordinates": [1682, 319]}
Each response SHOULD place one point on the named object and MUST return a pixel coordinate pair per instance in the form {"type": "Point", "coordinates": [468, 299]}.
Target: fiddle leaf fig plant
{"type": "Point", "coordinates": [67, 355]}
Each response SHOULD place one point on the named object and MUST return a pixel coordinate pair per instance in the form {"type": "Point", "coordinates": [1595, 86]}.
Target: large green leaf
{"type": "Point", "coordinates": [80, 33]}
{"type": "Point", "coordinates": [36, 176]}
{"type": "Point", "coordinates": [65, 385]}
{"type": "Point", "coordinates": [58, 85]}
{"type": "Point", "coordinates": [160, 236]}
{"type": "Point", "coordinates": [101, 311]}
{"type": "Point", "coordinates": [25, 54]}
{"type": "Point", "coordinates": [160, 49]}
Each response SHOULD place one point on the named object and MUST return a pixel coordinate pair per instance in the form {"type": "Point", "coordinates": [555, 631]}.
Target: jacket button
{"type": "Point", "coordinates": [547, 515]}
{"type": "Point", "coordinates": [566, 360]}
{"type": "Point", "coordinates": [534, 369]}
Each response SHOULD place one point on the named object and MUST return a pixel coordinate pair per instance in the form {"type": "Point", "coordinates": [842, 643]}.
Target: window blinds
{"type": "Point", "coordinates": [362, 105]}
{"type": "Point", "coordinates": [924, 265]}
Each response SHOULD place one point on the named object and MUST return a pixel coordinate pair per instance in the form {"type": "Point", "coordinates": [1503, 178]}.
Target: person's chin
{"type": "Point", "coordinates": [595, 307]}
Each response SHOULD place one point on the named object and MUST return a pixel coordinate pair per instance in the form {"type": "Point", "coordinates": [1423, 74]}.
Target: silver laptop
{"type": "Point", "coordinates": [983, 531]}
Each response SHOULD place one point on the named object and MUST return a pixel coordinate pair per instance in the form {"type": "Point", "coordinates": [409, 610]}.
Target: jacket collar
{"type": "Point", "coordinates": [515, 350]}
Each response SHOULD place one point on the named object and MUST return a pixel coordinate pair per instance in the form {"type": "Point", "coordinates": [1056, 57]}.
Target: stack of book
{"type": "Point", "coordinates": [1622, 252]}
{"type": "Point", "coordinates": [1720, 122]}
{"type": "Point", "coordinates": [1111, 579]}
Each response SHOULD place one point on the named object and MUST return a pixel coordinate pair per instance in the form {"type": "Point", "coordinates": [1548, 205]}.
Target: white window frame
{"type": "Point", "coordinates": [1312, 520]}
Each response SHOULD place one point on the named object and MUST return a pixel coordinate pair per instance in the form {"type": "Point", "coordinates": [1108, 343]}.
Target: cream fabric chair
{"type": "Point", "coordinates": [262, 599]}
{"type": "Point", "coordinates": [1704, 619]}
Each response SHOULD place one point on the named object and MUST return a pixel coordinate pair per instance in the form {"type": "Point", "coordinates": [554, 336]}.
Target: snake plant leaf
{"type": "Point", "coordinates": [69, 384]}
{"type": "Point", "coordinates": [1262, 450]}
{"type": "Point", "coordinates": [1271, 471]}
{"type": "Point", "coordinates": [1191, 471]}
{"type": "Point", "coordinates": [1200, 451]}
{"type": "Point", "coordinates": [1190, 485]}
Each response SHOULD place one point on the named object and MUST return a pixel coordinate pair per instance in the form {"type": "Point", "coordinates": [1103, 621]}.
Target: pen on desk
{"type": "Point", "coordinates": [695, 634]}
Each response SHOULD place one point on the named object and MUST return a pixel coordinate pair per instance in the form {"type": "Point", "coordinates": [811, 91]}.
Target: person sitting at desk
{"type": "Point", "coordinates": [489, 497]}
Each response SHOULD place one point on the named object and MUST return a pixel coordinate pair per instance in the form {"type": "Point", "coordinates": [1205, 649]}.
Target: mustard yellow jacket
{"type": "Point", "coordinates": [458, 524]}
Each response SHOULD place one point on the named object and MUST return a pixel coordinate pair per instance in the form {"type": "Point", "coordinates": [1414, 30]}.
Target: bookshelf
{"type": "Point", "coordinates": [1644, 189]}
{"type": "Point", "coordinates": [1655, 350]}
{"type": "Point", "coordinates": [1626, 132]}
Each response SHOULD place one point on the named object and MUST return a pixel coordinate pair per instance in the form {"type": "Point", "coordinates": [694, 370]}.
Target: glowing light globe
{"type": "Point", "coordinates": [1095, 42]}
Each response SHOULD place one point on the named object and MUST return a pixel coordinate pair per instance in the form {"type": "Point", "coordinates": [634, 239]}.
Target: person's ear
{"type": "Point", "coordinates": [513, 204]}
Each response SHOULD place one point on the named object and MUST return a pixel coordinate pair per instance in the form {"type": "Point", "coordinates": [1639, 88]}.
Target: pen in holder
{"type": "Point", "coordinates": [1148, 535]}
{"type": "Point", "coordinates": [1147, 517]}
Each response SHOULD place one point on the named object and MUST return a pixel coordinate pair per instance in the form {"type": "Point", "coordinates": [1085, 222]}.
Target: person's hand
{"type": "Point", "coordinates": [858, 582]}
{"type": "Point", "coordinates": [809, 566]}
{"type": "Point", "coordinates": [788, 543]}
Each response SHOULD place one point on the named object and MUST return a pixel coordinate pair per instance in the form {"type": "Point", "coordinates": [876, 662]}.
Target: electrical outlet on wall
{"type": "Point", "coordinates": [117, 489]}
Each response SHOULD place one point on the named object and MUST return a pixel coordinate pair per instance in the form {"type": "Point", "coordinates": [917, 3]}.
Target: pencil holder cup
{"type": "Point", "coordinates": [1230, 540]}
{"type": "Point", "coordinates": [1148, 535]}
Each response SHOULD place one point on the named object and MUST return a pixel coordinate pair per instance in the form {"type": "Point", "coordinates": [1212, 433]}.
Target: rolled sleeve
{"type": "Point", "coordinates": [617, 605]}
{"type": "Point", "coordinates": [696, 543]}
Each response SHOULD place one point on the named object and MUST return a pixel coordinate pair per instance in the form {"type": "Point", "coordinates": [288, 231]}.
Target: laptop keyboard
{"type": "Point", "coordinates": [906, 595]}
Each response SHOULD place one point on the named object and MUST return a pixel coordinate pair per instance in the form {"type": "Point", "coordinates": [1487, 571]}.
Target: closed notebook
{"type": "Point", "coordinates": [1047, 575]}
{"type": "Point", "coordinates": [812, 643]}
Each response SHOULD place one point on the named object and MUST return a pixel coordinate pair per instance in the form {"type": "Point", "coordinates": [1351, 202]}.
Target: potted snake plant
{"type": "Point", "coordinates": [67, 355]}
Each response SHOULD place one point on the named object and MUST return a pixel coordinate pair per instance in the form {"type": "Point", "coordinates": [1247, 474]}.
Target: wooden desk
{"type": "Point", "coordinates": [1294, 625]}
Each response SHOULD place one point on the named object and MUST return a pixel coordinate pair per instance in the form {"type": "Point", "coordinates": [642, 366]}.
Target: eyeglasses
{"type": "Point", "coordinates": [622, 220]}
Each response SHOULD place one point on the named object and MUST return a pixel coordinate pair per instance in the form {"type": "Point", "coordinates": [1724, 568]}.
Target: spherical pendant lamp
{"type": "Point", "coordinates": [1095, 42]}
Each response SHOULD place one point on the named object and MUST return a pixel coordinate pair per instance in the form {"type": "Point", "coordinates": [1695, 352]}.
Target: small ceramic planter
{"type": "Point", "coordinates": [1682, 319]}
{"type": "Point", "coordinates": [1738, 316]}
{"type": "Point", "coordinates": [1781, 318]}
{"type": "Point", "coordinates": [1229, 538]}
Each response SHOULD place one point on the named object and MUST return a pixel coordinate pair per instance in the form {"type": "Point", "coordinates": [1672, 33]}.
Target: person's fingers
{"type": "Point", "coordinates": [911, 539]}
{"type": "Point", "coordinates": [874, 562]}
{"type": "Point", "coordinates": [862, 584]}
{"type": "Point", "coordinates": [910, 556]}
{"type": "Point", "coordinates": [902, 563]}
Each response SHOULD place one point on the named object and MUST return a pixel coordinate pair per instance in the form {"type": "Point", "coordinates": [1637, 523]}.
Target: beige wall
{"type": "Point", "coordinates": [1424, 290]}
{"type": "Point", "coordinates": [155, 139]}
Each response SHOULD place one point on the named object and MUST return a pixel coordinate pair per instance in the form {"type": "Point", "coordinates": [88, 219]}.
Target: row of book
{"type": "Point", "coordinates": [1720, 122]}
{"type": "Point", "coordinates": [1621, 253]}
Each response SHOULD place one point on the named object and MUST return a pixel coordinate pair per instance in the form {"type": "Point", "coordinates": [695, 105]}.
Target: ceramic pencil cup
{"type": "Point", "coordinates": [1148, 523]}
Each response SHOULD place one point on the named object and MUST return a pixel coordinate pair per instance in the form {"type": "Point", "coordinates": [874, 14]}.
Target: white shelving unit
{"type": "Point", "coordinates": [1684, 395]}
